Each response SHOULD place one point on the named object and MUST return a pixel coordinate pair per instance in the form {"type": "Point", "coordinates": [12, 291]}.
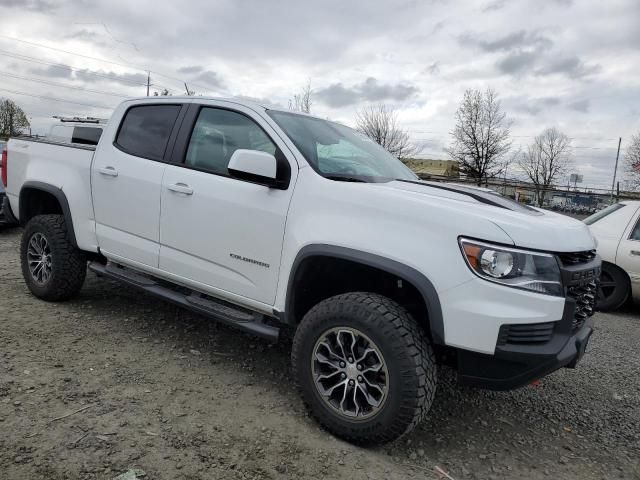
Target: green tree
{"type": "Point", "coordinates": [12, 119]}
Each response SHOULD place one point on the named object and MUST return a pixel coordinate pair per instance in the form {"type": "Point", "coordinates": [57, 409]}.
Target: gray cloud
{"type": "Point", "coordinates": [511, 41]}
{"type": "Point", "coordinates": [191, 70]}
{"type": "Point", "coordinates": [534, 106]}
{"type": "Point", "coordinates": [93, 76]}
{"type": "Point", "coordinates": [494, 6]}
{"type": "Point", "coordinates": [517, 62]}
{"type": "Point", "coordinates": [580, 105]}
{"type": "Point", "coordinates": [210, 79]}
{"type": "Point", "coordinates": [570, 66]}
{"type": "Point", "coordinates": [53, 71]}
{"type": "Point", "coordinates": [33, 5]}
{"type": "Point", "coordinates": [337, 95]}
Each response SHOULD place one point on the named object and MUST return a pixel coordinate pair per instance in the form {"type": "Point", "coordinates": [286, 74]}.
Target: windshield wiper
{"type": "Point", "coordinates": [345, 178]}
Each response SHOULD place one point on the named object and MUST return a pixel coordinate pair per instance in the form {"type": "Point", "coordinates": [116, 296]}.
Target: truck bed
{"type": "Point", "coordinates": [62, 166]}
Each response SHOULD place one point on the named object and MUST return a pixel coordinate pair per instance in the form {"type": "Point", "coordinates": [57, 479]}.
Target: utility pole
{"type": "Point", "coordinates": [148, 81]}
{"type": "Point", "coordinates": [615, 170]}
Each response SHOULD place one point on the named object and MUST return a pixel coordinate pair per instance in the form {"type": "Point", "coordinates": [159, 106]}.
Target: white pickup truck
{"type": "Point", "coordinates": [265, 219]}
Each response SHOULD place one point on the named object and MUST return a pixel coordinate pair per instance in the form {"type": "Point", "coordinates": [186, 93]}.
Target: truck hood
{"type": "Point", "coordinates": [527, 226]}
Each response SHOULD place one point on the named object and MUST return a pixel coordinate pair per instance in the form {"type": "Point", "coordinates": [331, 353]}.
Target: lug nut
{"type": "Point", "coordinates": [342, 364]}
{"type": "Point", "coordinates": [351, 382]}
{"type": "Point", "coordinates": [359, 367]}
{"type": "Point", "coordinates": [343, 375]}
{"type": "Point", "coordinates": [350, 359]}
{"type": "Point", "coordinates": [360, 379]}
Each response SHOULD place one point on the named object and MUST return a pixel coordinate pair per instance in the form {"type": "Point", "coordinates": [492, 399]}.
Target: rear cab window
{"type": "Point", "coordinates": [86, 135]}
{"type": "Point", "coordinates": [145, 130]}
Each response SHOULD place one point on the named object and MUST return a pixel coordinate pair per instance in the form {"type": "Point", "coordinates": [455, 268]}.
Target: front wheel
{"type": "Point", "coordinates": [364, 368]}
{"type": "Point", "coordinates": [613, 288]}
{"type": "Point", "coordinates": [52, 267]}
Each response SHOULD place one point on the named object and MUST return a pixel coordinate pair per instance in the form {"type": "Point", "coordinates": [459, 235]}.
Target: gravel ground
{"type": "Point", "coordinates": [115, 380]}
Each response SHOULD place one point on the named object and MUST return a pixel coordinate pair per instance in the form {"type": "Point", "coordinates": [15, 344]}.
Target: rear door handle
{"type": "Point", "coordinates": [181, 188]}
{"type": "Point", "coordinates": [634, 252]}
{"type": "Point", "coordinates": [109, 171]}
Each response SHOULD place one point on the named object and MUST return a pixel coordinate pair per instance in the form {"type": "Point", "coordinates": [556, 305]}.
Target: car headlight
{"type": "Point", "coordinates": [526, 269]}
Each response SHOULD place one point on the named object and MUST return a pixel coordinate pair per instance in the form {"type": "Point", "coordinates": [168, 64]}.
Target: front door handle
{"type": "Point", "coordinates": [181, 188]}
{"type": "Point", "coordinates": [109, 171]}
{"type": "Point", "coordinates": [634, 252]}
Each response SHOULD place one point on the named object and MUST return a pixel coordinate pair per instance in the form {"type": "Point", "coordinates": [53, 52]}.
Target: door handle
{"type": "Point", "coordinates": [109, 171]}
{"type": "Point", "coordinates": [181, 188]}
{"type": "Point", "coordinates": [634, 252]}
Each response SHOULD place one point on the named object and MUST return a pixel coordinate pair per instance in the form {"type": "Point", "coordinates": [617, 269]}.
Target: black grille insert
{"type": "Point", "coordinates": [584, 294]}
{"type": "Point", "coordinates": [526, 333]}
{"type": "Point", "coordinates": [576, 258]}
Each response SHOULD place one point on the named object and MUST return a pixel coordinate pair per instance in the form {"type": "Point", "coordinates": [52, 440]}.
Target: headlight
{"type": "Point", "coordinates": [534, 271]}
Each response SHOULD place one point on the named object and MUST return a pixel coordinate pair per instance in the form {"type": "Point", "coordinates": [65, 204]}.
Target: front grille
{"type": "Point", "coordinates": [526, 333]}
{"type": "Point", "coordinates": [584, 294]}
{"type": "Point", "coordinates": [576, 258]}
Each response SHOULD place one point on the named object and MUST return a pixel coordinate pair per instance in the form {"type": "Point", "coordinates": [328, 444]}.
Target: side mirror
{"type": "Point", "coordinates": [255, 166]}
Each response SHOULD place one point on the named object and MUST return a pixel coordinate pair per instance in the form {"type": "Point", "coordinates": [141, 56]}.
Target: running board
{"type": "Point", "coordinates": [220, 311]}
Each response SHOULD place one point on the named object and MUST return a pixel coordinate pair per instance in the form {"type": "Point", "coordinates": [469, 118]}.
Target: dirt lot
{"type": "Point", "coordinates": [115, 380]}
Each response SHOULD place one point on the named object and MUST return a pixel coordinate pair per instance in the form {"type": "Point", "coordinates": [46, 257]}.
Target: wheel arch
{"type": "Point", "coordinates": [373, 263]}
{"type": "Point", "coordinates": [37, 198]}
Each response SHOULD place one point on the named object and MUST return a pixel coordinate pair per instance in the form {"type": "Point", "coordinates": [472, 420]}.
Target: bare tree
{"type": "Point", "coordinates": [380, 124]}
{"type": "Point", "coordinates": [632, 163]}
{"type": "Point", "coordinates": [546, 159]}
{"type": "Point", "coordinates": [12, 119]}
{"type": "Point", "coordinates": [480, 140]}
{"type": "Point", "coordinates": [301, 102]}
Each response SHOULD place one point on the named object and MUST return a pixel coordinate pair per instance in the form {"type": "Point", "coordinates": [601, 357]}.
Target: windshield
{"type": "Point", "coordinates": [338, 152]}
{"type": "Point", "coordinates": [603, 213]}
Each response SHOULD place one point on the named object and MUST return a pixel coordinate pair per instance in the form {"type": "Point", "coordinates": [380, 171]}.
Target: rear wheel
{"type": "Point", "coordinates": [613, 288]}
{"type": "Point", "coordinates": [52, 267]}
{"type": "Point", "coordinates": [365, 369]}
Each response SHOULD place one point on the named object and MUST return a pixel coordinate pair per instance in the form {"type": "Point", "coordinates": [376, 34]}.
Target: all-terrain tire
{"type": "Point", "coordinates": [68, 267]}
{"type": "Point", "coordinates": [407, 353]}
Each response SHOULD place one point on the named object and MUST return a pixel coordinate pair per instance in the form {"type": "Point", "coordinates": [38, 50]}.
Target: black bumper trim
{"type": "Point", "coordinates": [6, 215]}
{"type": "Point", "coordinates": [514, 365]}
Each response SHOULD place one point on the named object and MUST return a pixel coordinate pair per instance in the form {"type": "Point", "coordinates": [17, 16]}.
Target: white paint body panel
{"type": "Point", "coordinates": [615, 246]}
{"type": "Point", "coordinates": [189, 238]}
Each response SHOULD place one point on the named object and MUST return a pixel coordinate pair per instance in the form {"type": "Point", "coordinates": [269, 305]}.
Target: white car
{"type": "Point", "coordinates": [263, 218]}
{"type": "Point", "coordinates": [617, 230]}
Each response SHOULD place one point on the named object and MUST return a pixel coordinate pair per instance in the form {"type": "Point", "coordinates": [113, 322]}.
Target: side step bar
{"type": "Point", "coordinates": [222, 312]}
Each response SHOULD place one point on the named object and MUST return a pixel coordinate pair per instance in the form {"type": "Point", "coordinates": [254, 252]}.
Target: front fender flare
{"type": "Point", "coordinates": [402, 271]}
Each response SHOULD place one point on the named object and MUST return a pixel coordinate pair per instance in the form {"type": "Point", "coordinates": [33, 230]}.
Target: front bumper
{"type": "Point", "coordinates": [547, 347]}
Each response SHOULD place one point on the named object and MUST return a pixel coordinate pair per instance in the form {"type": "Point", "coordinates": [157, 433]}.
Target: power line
{"type": "Point", "coordinates": [57, 84]}
{"type": "Point", "coordinates": [55, 99]}
{"type": "Point", "coordinates": [67, 67]}
{"type": "Point", "coordinates": [130, 65]}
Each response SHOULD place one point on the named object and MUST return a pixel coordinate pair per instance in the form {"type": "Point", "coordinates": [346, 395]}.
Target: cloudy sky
{"type": "Point", "coordinates": [574, 64]}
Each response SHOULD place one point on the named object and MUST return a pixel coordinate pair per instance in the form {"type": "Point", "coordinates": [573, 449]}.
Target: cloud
{"type": "Point", "coordinates": [535, 106]}
{"type": "Point", "coordinates": [580, 105]}
{"type": "Point", "coordinates": [570, 66]}
{"type": "Point", "coordinates": [337, 95]}
{"type": "Point", "coordinates": [210, 79]}
{"type": "Point", "coordinates": [191, 70]}
{"type": "Point", "coordinates": [53, 71]}
{"type": "Point", "coordinates": [494, 6]}
{"type": "Point", "coordinates": [93, 76]}
{"type": "Point", "coordinates": [511, 41]}
{"type": "Point", "coordinates": [517, 62]}
{"type": "Point", "coordinates": [33, 5]}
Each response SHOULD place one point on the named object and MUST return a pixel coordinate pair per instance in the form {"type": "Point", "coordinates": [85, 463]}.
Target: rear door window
{"type": "Point", "coordinates": [145, 130]}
